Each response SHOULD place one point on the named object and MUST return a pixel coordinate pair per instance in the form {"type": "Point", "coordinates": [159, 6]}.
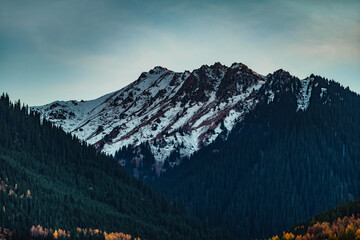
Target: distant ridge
{"type": "Point", "coordinates": [174, 112]}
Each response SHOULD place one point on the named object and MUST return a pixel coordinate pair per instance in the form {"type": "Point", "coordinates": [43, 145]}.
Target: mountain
{"type": "Point", "coordinates": [280, 165]}
{"type": "Point", "coordinates": [248, 153]}
{"type": "Point", "coordinates": [51, 180]}
{"type": "Point", "coordinates": [172, 112]}
{"type": "Point", "coordinates": [169, 110]}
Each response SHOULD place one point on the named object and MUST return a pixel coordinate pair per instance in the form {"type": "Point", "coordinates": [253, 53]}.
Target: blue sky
{"type": "Point", "coordinates": [62, 50]}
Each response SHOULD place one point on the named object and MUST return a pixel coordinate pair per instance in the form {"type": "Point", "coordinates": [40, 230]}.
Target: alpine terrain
{"type": "Point", "coordinates": [249, 153]}
{"type": "Point", "coordinates": [173, 112]}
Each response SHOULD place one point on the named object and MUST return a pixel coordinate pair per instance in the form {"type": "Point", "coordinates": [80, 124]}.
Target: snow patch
{"type": "Point", "coordinates": [303, 98]}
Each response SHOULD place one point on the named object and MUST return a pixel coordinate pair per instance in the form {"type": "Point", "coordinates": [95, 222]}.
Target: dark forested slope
{"type": "Point", "coordinates": [279, 166]}
{"type": "Point", "coordinates": [51, 179]}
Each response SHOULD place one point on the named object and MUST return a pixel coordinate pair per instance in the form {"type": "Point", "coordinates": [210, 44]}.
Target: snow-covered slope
{"type": "Point", "coordinates": [172, 111]}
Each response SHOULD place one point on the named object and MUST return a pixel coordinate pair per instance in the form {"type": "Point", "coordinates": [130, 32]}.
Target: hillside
{"type": "Point", "coordinates": [51, 180]}
{"type": "Point", "coordinates": [339, 223]}
{"type": "Point", "coordinates": [279, 166]}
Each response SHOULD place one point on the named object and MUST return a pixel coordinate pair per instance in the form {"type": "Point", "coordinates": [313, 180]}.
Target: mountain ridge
{"type": "Point", "coordinates": [173, 111]}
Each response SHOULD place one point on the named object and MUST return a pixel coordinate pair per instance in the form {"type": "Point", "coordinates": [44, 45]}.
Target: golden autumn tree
{"type": "Point", "coordinates": [288, 236]}
{"type": "Point", "coordinates": [56, 235]}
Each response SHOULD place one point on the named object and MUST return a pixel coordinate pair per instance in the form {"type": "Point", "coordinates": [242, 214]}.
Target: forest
{"type": "Point", "coordinates": [339, 223]}
{"type": "Point", "coordinates": [276, 168]}
{"type": "Point", "coordinates": [50, 180]}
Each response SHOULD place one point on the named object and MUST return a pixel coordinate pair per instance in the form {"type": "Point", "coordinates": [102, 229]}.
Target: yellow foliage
{"type": "Point", "coordinates": [329, 231]}
{"type": "Point", "coordinates": [357, 234]}
{"type": "Point", "coordinates": [117, 236]}
{"type": "Point", "coordinates": [41, 232]}
{"type": "Point", "coordinates": [288, 236]}
{"type": "Point", "coordinates": [56, 234]}
{"type": "Point", "coordinates": [275, 238]}
{"type": "Point", "coordinates": [298, 237]}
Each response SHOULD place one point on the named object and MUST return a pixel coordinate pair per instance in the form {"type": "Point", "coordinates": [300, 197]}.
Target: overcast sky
{"type": "Point", "coordinates": [62, 50]}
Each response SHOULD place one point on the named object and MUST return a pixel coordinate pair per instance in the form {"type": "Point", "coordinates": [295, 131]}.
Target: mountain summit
{"type": "Point", "coordinates": [175, 112]}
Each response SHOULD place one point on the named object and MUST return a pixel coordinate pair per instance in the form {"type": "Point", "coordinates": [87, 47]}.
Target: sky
{"type": "Point", "coordinates": [64, 50]}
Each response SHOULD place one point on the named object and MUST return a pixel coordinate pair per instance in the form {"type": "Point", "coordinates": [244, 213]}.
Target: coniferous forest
{"type": "Point", "coordinates": [50, 179]}
{"type": "Point", "coordinates": [278, 167]}
{"type": "Point", "coordinates": [179, 120]}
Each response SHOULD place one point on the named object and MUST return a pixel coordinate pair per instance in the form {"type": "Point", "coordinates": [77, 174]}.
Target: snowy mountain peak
{"type": "Point", "coordinates": [238, 66]}
{"type": "Point", "coordinates": [158, 70]}
{"type": "Point", "coordinates": [174, 111]}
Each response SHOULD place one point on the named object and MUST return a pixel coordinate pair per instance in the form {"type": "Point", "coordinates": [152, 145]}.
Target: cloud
{"type": "Point", "coordinates": [75, 45]}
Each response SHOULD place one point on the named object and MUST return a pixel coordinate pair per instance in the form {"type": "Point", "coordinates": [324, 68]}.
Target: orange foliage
{"type": "Point", "coordinates": [4, 186]}
{"type": "Point", "coordinates": [89, 232]}
{"type": "Point", "coordinates": [40, 232]}
{"type": "Point", "coordinates": [357, 234]}
{"type": "Point", "coordinates": [325, 230]}
{"type": "Point", "coordinates": [56, 235]}
{"type": "Point", "coordinates": [288, 236]}
{"type": "Point", "coordinates": [117, 236]}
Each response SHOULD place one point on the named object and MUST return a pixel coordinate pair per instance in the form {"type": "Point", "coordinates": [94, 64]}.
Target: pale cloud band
{"type": "Point", "coordinates": [82, 49]}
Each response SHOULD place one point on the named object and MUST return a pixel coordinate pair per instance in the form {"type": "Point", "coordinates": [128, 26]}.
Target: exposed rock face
{"type": "Point", "coordinates": [173, 111]}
